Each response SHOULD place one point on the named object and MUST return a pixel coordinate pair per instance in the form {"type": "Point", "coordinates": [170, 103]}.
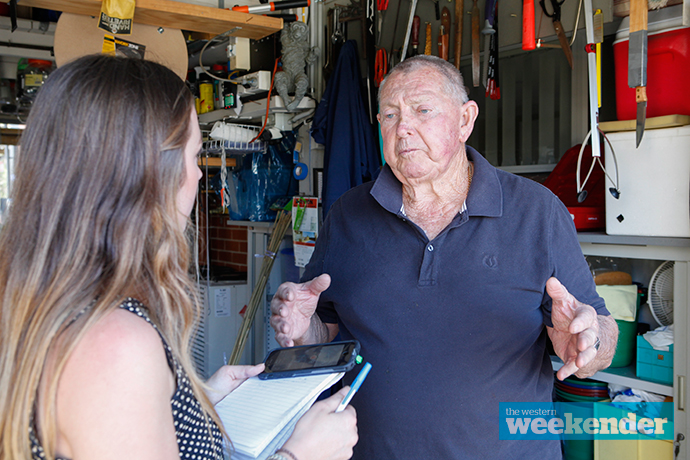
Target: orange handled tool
{"type": "Point", "coordinates": [528, 39]}
{"type": "Point", "coordinates": [427, 44]}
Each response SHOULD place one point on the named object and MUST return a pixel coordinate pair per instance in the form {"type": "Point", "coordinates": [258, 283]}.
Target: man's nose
{"type": "Point", "coordinates": [405, 125]}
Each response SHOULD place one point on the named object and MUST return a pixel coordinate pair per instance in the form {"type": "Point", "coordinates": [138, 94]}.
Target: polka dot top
{"type": "Point", "coordinates": [194, 440]}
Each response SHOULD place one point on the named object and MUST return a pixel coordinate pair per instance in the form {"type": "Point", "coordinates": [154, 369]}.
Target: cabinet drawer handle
{"type": "Point", "coordinates": [681, 392]}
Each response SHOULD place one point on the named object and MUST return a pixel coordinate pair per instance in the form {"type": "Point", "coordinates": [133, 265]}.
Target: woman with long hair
{"type": "Point", "coordinates": [97, 305]}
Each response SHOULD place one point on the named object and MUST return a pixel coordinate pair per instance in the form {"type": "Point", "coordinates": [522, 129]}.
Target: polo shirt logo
{"type": "Point", "coordinates": [491, 261]}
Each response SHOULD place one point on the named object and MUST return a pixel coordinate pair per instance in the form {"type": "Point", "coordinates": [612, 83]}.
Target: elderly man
{"type": "Point", "coordinates": [451, 274]}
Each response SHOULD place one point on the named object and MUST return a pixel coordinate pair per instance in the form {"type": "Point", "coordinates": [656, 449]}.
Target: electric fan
{"type": "Point", "coordinates": [661, 294]}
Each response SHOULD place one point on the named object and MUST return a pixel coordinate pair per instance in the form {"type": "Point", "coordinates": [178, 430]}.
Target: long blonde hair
{"type": "Point", "coordinates": [93, 219]}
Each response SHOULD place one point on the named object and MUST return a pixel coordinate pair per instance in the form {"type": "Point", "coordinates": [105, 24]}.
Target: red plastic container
{"type": "Point", "coordinates": [591, 213]}
{"type": "Point", "coordinates": [668, 66]}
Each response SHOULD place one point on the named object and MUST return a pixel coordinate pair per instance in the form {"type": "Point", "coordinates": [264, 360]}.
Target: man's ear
{"type": "Point", "coordinates": [470, 112]}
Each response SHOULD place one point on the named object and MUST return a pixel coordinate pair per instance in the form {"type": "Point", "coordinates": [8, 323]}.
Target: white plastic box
{"type": "Point", "coordinates": [654, 183]}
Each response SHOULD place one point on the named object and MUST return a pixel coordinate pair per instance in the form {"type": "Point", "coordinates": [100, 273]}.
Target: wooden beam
{"type": "Point", "coordinates": [177, 15]}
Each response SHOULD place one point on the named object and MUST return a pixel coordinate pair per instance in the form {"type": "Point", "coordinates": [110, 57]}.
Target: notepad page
{"type": "Point", "coordinates": [276, 443]}
{"type": "Point", "coordinates": [257, 411]}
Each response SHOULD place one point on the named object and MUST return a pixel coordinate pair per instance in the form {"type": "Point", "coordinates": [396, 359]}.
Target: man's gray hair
{"type": "Point", "coordinates": [454, 81]}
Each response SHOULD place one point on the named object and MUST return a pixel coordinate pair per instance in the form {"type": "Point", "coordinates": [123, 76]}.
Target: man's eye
{"type": "Point", "coordinates": [389, 116]}
{"type": "Point", "coordinates": [424, 110]}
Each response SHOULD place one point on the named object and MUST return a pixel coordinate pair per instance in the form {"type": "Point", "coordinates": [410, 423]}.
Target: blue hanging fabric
{"type": "Point", "coordinates": [341, 124]}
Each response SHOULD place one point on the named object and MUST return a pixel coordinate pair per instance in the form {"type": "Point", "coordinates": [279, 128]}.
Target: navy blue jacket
{"type": "Point", "coordinates": [342, 125]}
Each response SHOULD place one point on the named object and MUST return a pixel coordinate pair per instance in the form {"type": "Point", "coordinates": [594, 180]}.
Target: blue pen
{"type": "Point", "coordinates": [355, 386]}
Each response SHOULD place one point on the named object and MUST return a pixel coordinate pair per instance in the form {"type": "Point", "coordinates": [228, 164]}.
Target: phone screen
{"type": "Point", "coordinates": [310, 357]}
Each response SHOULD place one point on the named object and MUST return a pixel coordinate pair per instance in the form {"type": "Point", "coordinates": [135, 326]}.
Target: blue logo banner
{"type": "Point", "coordinates": [578, 420]}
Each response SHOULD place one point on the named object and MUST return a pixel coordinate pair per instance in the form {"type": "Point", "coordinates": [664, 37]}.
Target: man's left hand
{"type": "Point", "coordinates": [576, 330]}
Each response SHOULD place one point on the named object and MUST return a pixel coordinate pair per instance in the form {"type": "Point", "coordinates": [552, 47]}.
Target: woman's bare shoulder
{"type": "Point", "coordinates": [115, 388]}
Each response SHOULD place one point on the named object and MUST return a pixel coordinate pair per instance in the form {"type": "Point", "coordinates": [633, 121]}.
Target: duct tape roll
{"type": "Point", "coordinates": [300, 171]}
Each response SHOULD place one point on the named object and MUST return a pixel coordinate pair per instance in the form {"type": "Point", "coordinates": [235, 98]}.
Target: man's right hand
{"type": "Point", "coordinates": [292, 308]}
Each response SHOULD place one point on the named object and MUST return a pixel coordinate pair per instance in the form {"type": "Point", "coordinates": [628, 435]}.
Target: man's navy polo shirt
{"type": "Point", "coordinates": [452, 326]}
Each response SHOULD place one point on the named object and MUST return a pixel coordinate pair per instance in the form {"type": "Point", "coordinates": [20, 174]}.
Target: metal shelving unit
{"type": "Point", "coordinates": [623, 376]}
{"type": "Point", "coordinates": [654, 248]}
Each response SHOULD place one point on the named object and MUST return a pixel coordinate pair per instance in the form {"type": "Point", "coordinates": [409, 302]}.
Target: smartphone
{"type": "Point", "coordinates": [322, 358]}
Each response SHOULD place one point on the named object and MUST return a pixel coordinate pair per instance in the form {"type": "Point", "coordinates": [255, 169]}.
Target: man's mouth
{"type": "Point", "coordinates": [404, 150]}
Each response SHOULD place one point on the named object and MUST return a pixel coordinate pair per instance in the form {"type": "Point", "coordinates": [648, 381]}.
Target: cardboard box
{"type": "Point", "coordinates": [644, 448]}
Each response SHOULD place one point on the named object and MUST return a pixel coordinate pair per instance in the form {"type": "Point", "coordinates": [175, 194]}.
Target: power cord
{"type": "Point", "coordinates": [201, 53]}
{"type": "Point", "coordinates": [268, 100]}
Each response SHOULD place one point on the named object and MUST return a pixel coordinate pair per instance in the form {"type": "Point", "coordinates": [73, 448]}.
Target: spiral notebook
{"type": "Point", "coordinates": [259, 415]}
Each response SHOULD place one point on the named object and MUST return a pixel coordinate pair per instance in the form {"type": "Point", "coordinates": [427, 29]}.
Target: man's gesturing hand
{"type": "Point", "coordinates": [293, 306]}
{"type": "Point", "coordinates": [575, 330]}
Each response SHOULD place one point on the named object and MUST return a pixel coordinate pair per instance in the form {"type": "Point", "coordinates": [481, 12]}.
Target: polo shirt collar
{"type": "Point", "coordinates": [484, 199]}
{"type": "Point", "coordinates": [486, 193]}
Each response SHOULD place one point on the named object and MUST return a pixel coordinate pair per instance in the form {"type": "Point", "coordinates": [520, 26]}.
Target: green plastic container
{"type": "Point", "coordinates": [625, 349]}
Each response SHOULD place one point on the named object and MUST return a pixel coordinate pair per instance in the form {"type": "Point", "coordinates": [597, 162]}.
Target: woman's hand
{"type": "Point", "coordinates": [227, 378]}
{"type": "Point", "coordinates": [323, 434]}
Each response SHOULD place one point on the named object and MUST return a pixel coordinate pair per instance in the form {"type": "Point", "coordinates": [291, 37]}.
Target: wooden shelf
{"type": "Point", "coordinates": [214, 162]}
{"type": "Point", "coordinates": [178, 15]}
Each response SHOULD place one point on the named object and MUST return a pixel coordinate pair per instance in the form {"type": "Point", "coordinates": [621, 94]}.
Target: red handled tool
{"type": "Point", "coordinates": [415, 34]}
{"type": "Point", "coordinates": [488, 31]}
{"type": "Point", "coordinates": [381, 7]}
{"type": "Point", "coordinates": [493, 90]}
{"type": "Point", "coordinates": [381, 66]}
{"type": "Point", "coordinates": [529, 41]}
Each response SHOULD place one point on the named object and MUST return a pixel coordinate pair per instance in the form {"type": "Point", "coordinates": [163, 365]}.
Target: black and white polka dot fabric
{"type": "Point", "coordinates": [196, 439]}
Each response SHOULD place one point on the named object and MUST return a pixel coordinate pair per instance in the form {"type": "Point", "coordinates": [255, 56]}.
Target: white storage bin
{"type": "Point", "coordinates": [654, 182]}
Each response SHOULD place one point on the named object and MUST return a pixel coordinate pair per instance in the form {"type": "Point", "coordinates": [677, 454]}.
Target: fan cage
{"type": "Point", "coordinates": [661, 294]}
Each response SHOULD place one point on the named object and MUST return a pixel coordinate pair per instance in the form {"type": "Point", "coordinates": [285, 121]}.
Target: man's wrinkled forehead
{"type": "Point", "coordinates": [426, 82]}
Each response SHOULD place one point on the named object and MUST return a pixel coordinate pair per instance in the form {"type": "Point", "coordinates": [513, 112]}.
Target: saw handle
{"type": "Point", "coordinates": [528, 38]}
